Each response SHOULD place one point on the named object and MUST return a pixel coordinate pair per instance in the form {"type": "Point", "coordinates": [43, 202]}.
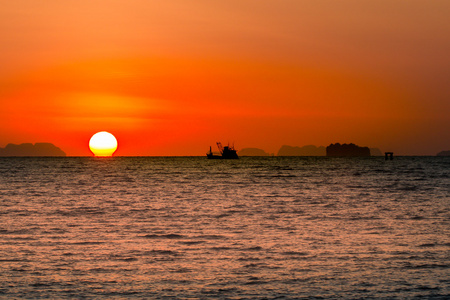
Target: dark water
{"type": "Point", "coordinates": [252, 228]}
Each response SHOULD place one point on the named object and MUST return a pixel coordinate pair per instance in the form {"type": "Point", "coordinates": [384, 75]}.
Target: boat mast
{"type": "Point", "coordinates": [219, 145]}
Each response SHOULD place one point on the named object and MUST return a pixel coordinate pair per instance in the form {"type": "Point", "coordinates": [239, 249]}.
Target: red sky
{"type": "Point", "coordinates": [174, 77]}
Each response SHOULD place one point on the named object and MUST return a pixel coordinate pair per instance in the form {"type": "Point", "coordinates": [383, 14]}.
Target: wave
{"type": "Point", "coordinates": [170, 236]}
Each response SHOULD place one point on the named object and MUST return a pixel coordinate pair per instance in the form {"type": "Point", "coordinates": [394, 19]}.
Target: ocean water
{"type": "Point", "coordinates": [253, 228]}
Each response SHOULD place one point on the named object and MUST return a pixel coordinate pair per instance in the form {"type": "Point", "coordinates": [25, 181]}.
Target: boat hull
{"type": "Point", "coordinates": [220, 157]}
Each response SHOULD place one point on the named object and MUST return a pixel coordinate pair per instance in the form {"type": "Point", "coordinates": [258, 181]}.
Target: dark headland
{"type": "Point", "coordinates": [312, 150]}
{"type": "Point", "coordinates": [28, 149]}
{"type": "Point", "coordinates": [347, 150]}
{"type": "Point", "coordinates": [375, 152]}
{"type": "Point", "coordinates": [444, 153]}
{"type": "Point", "coordinates": [308, 150]}
{"type": "Point", "coordinates": [253, 152]}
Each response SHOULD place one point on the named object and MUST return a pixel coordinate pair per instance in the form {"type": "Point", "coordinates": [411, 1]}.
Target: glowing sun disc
{"type": "Point", "coordinates": [103, 144]}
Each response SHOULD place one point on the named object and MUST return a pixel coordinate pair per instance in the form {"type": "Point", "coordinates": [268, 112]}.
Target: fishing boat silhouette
{"type": "Point", "coordinates": [227, 152]}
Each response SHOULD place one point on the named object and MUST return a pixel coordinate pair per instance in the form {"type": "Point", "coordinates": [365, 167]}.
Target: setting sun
{"type": "Point", "coordinates": [103, 144]}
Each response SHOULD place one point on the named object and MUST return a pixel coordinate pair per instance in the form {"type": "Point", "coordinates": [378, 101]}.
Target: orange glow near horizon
{"type": "Point", "coordinates": [183, 106]}
{"type": "Point", "coordinates": [103, 144]}
{"type": "Point", "coordinates": [171, 79]}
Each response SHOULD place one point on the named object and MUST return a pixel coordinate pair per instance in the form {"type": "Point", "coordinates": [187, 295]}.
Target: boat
{"type": "Point", "coordinates": [227, 152]}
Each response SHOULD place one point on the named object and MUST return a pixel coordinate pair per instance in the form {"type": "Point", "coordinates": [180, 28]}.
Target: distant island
{"type": "Point", "coordinates": [28, 149]}
{"type": "Point", "coordinates": [311, 150]}
{"type": "Point", "coordinates": [375, 152]}
{"type": "Point", "coordinates": [253, 152]}
{"type": "Point", "coordinates": [347, 150]}
{"type": "Point", "coordinates": [444, 153]}
{"type": "Point", "coordinates": [308, 150]}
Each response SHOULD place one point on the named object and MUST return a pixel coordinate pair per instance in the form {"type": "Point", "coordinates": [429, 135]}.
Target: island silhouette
{"type": "Point", "coordinates": [444, 153]}
{"type": "Point", "coordinates": [347, 150]}
{"type": "Point", "coordinates": [308, 150]}
{"type": "Point", "coordinates": [375, 152]}
{"type": "Point", "coordinates": [28, 149]}
{"type": "Point", "coordinates": [253, 152]}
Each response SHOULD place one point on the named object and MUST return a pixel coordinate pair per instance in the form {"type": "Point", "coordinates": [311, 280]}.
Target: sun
{"type": "Point", "coordinates": [103, 144]}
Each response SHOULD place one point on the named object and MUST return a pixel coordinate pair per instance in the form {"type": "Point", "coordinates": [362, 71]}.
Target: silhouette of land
{"type": "Point", "coordinates": [253, 152]}
{"type": "Point", "coordinates": [444, 153]}
{"type": "Point", "coordinates": [311, 150]}
{"type": "Point", "coordinates": [308, 150]}
{"type": "Point", "coordinates": [375, 152]}
{"type": "Point", "coordinates": [347, 150]}
{"type": "Point", "coordinates": [28, 149]}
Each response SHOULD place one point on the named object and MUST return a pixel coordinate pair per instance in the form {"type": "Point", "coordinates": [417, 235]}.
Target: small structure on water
{"type": "Point", "coordinates": [388, 155]}
{"type": "Point", "coordinates": [227, 152]}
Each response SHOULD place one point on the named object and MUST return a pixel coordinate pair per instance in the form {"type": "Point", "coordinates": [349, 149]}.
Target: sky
{"type": "Point", "coordinates": [174, 77]}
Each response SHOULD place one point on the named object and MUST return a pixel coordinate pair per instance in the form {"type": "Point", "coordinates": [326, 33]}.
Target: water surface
{"type": "Point", "coordinates": [256, 228]}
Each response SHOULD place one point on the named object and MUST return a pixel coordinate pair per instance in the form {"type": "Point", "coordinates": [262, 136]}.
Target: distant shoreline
{"type": "Point", "coordinates": [202, 156]}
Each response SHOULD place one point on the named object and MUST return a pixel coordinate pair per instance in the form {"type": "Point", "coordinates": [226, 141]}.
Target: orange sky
{"type": "Point", "coordinates": [174, 77]}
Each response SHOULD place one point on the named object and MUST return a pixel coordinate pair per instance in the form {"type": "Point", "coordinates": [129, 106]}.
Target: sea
{"type": "Point", "coordinates": [252, 228]}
